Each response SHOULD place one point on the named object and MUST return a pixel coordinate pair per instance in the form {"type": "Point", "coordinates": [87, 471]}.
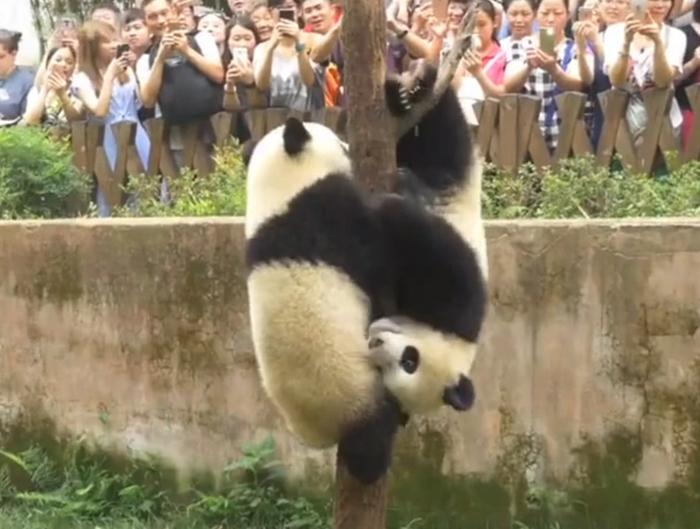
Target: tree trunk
{"type": "Point", "coordinates": [358, 506]}
{"type": "Point", "coordinates": [372, 145]}
{"type": "Point", "coordinates": [373, 151]}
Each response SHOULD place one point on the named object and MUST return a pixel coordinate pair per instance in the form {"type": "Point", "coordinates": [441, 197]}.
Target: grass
{"type": "Point", "coordinates": [80, 490]}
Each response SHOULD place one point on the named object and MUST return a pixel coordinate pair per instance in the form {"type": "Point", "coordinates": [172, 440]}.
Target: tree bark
{"type": "Point", "coordinates": [371, 139]}
{"type": "Point", "coordinates": [359, 506]}
{"type": "Point", "coordinates": [373, 152]}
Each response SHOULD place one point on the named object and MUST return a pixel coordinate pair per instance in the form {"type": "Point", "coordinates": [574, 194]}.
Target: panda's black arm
{"type": "Point", "coordinates": [367, 446]}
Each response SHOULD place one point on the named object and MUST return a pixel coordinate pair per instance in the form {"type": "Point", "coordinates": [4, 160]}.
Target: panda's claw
{"type": "Point", "coordinates": [405, 98]}
{"type": "Point", "coordinates": [399, 98]}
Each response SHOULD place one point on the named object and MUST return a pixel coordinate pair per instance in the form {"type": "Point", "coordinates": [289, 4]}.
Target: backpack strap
{"type": "Point", "coordinates": [152, 51]}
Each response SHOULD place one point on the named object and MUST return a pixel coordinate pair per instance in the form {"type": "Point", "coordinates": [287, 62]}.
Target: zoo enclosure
{"type": "Point", "coordinates": [508, 135]}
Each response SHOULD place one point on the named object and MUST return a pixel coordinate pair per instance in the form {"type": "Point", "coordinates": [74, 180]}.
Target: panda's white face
{"type": "Point", "coordinates": [423, 368]}
{"type": "Point", "coordinates": [287, 160]}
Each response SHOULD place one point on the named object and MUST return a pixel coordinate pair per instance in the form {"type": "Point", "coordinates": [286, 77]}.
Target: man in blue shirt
{"type": "Point", "coordinates": [15, 82]}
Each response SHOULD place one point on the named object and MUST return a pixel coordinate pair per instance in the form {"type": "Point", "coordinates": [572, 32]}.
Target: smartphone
{"type": "Point", "coordinates": [639, 9]}
{"type": "Point", "coordinates": [240, 55]}
{"type": "Point", "coordinates": [475, 42]}
{"type": "Point", "coordinates": [174, 24]}
{"type": "Point", "coordinates": [547, 40]}
{"type": "Point", "coordinates": [122, 49]}
{"type": "Point", "coordinates": [287, 14]}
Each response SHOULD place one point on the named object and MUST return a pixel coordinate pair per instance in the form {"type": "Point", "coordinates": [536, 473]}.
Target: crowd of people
{"type": "Point", "coordinates": [184, 62]}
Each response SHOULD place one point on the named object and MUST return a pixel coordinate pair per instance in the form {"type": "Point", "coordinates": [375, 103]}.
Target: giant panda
{"type": "Point", "coordinates": [325, 262]}
{"type": "Point", "coordinates": [317, 276]}
{"type": "Point", "coordinates": [426, 349]}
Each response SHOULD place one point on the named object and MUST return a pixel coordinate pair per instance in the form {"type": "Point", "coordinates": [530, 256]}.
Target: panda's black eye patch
{"type": "Point", "coordinates": [410, 358]}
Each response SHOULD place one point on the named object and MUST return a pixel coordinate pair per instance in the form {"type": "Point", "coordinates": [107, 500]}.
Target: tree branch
{"type": "Point", "coordinates": [445, 73]}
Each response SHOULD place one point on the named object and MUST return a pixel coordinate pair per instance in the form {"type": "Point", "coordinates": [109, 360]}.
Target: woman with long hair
{"type": "Point", "coordinates": [480, 73]}
{"type": "Point", "coordinates": [215, 24]}
{"type": "Point", "coordinates": [548, 65]}
{"type": "Point", "coordinates": [107, 89]}
{"type": "Point", "coordinates": [50, 101]}
{"type": "Point", "coordinates": [284, 70]}
{"type": "Point", "coordinates": [241, 39]}
{"type": "Point", "coordinates": [646, 53]}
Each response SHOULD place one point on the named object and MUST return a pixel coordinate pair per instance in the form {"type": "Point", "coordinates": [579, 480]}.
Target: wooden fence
{"type": "Point", "coordinates": [508, 131]}
{"type": "Point", "coordinates": [508, 135]}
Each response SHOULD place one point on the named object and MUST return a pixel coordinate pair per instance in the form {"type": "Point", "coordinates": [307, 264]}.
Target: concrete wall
{"type": "Point", "coordinates": [135, 333]}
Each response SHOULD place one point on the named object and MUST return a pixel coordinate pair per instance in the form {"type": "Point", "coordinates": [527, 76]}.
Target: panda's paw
{"type": "Point", "coordinates": [366, 448]}
{"type": "Point", "coordinates": [366, 451]}
{"type": "Point", "coordinates": [421, 89]}
{"type": "Point", "coordinates": [398, 98]}
{"type": "Point", "coordinates": [365, 466]}
{"type": "Point", "coordinates": [425, 79]}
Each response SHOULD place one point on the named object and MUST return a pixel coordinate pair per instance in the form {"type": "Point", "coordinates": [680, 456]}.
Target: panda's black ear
{"type": "Point", "coordinates": [295, 136]}
{"type": "Point", "coordinates": [461, 395]}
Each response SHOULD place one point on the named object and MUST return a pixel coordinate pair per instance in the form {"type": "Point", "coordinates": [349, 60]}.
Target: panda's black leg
{"type": "Point", "coordinates": [410, 186]}
{"type": "Point", "coordinates": [366, 448]}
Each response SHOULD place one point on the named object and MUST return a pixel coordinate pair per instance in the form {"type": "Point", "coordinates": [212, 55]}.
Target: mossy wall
{"type": "Point", "coordinates": [135, 334]}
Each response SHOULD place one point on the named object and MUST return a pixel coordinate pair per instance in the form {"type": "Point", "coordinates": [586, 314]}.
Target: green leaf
{"type": "Point", "coordinates": [11, 459]}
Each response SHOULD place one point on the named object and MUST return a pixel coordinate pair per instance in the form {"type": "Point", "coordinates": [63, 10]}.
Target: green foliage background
{"type": "Point", "coordinates": [37, 176]}
{"type": "Point", "coordinates": [38, 180]}
{"type": "Point", "coordinates": [581, 188]}
{"type": "Point", "coordinates": [79, 489]}
{"type": "Point", "coordinates": [223, 192]}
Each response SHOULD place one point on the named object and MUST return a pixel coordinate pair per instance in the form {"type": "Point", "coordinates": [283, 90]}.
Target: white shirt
{"type": "Point", "coordinates": [642, 60]}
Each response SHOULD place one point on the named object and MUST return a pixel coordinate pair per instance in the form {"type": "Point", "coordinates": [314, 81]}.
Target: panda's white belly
{"type": "Point", "coordinates": [309, 327]}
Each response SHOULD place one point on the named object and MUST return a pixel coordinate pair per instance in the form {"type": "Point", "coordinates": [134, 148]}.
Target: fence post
{"type": "Point", "coordinates": [692, 148]}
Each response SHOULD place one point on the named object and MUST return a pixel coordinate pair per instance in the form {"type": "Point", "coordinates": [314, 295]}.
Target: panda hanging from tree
{"type": "Point", "coordinates": [365, 311]}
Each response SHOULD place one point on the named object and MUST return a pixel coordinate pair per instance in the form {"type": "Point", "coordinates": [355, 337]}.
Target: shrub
{"type": "Point", "coordinates": [220, 193]}
{"type": "Point", "coordinates": [82, 489]}
{"type": "Point", "coordinates": [37, 176]}
{"type": "Point", "coordinates": [581, 188]}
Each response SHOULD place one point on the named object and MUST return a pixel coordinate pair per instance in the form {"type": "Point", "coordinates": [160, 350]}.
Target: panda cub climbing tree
{"type": "Point", "coordinates": [326, 268]}
{"type": "Point", "coordinates": [439, 265]}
